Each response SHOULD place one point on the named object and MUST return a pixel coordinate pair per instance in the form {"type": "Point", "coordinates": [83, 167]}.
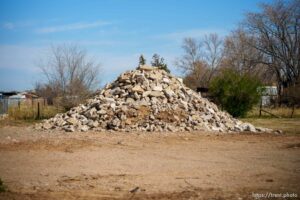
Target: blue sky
{"type": "Point", "coordinates": [114, 32]}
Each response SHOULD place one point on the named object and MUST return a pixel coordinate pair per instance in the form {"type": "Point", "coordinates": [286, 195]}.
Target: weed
{"type": "Point", "coordinates": [3, 187]}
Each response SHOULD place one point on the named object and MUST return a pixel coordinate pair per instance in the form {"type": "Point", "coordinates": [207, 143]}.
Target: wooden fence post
{"type": "Point", "coordinates": [260, 107]}
{"type": "Point", "coordinates": [38, 114]}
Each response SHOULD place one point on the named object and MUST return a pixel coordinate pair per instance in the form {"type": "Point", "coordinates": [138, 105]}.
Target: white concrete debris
{"type": "Point", "coordinates": [147, 99]}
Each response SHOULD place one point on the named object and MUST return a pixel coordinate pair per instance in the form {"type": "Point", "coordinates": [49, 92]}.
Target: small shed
{"type": "Point", "coordinates": [269, 95]}
{"type": "Point", "coordinates": [14, 98]}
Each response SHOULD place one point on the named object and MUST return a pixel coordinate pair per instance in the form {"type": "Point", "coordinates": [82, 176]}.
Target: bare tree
{"type": "Point", "coordinates": [70, 75]}
{"type": "Point", "coordinates": [240, 55]}
{"type": "Point", "coordinates": [192, 55]}
{"type": "Point", "coordinates": [201, 59]}
{"type": "Point", "coordinates": [192, 65]}
{"type": "Point", "coordinates": [197, 77]}
{"type": "Point", "coordinates": [213, 53]}
{"type": "Point", "coordinates": [277, 32]}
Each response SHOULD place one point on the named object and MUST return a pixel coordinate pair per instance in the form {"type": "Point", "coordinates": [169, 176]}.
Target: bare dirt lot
{"type": "Point", "coordinates": [57, 165]}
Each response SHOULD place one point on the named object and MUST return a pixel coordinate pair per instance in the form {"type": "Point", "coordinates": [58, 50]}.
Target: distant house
{"type": "Point", "coordinates": [31, 95]}
{"type": "Point", "coordinates": [18, 95]}
{"type": "Point", "coordinates": [5, 95]}
{"type": "Point", "coordinates": [14, 98]}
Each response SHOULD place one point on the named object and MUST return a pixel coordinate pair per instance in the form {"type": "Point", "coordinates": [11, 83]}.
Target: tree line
{"type": "Point", "coordinates": [266, 45]}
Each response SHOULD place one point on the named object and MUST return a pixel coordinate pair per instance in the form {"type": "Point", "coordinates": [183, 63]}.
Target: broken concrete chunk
{"type": "Point", "coordinates": [137, 89]}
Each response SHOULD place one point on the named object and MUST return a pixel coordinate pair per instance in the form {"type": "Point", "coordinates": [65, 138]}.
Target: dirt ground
{"type": "Point", "coordinates": [198, 165]}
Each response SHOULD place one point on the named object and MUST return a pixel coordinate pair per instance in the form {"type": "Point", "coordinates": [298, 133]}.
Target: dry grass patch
{"type": "Point", "coordinates": [283, 112]}
{"type": "Point", "coordinates": [287, 125]}
{"type": "Point", "coordinates": [25, 112]}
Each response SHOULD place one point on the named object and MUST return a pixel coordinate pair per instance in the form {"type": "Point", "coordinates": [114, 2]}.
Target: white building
{"type": "Point", "coordinates": [269, 94]}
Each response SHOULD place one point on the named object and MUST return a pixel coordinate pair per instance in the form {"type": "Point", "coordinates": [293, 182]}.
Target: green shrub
{"type": "Point", "coordinates": [2, 186]}
{"type": "Point", "coordinates": [235, 93]}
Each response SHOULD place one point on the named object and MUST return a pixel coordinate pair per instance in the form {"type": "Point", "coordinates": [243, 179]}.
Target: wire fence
{"type": "Point", "coordinates": [27, 108]}
{"type": "Point", "coordinates": [7, 103]}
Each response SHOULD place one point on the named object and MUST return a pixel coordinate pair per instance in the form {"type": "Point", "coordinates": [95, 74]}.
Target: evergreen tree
{"type": "Point", "coordinates": [158, 61]}
{"type": "Point", "coordinates": [142, 60]}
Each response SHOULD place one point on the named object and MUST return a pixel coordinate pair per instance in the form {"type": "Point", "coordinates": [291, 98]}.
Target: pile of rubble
{"type": "Point", "coordinates": [147, 99]}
